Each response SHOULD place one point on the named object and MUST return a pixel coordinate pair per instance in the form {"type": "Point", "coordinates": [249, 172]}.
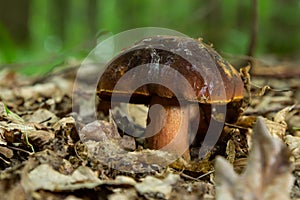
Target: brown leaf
{"type": "Point", "coordinates": [267, 175]}
{"type": "Point", "coordinates": [102, 131]}
{"type": "Point", "coordinates": [246, 121]}
{"type": "Point", "coordinates": [151, 185]}
{"type": "Point", "coordinates": [39, 138]}
{"type": "Point", "coordinates": [281, 115]}
{"type": "Point", "coordinates": [42, 116]}
{"type": "Point", "coordinates": [46, 178]}
{"type": "Point", "coordinates": [12, 131]}
{"type": "Point", "coordinates": [33, 92]}
{"type": "Point", "coordinates": [68, 126]}
{"type": "Point", "coordinates": [8, 153]}
{"type": "Point", "coordinates": [98, 131]}
{"type": "Point", "coordinates": [294, 146]}
{"type": "Point", "coordinates": [276, 129]}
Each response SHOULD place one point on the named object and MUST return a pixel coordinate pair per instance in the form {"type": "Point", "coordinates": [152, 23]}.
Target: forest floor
{"type": "Point", "coordinates": [47, 152]}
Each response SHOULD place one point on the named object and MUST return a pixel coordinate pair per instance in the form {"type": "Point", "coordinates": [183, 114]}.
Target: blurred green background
{"type": "Point", "coordinates": [36, 35]}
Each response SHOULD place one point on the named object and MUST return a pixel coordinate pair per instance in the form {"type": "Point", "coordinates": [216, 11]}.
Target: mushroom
{"type": "Point", "coordinates": [148, 73]}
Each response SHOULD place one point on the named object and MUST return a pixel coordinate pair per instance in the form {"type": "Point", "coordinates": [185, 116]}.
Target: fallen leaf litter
{"type": "Point", "coordinates": [66, 165]}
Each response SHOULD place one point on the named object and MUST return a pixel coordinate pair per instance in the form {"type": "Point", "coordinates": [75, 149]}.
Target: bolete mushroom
{"type": "Point", "coordinates": [213, 81]}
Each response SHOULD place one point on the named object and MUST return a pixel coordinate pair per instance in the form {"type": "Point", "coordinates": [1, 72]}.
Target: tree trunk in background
{"type": "Point", "coordinates": [14, 16]}
{"type": "Point", "coordinates": [246, 21]}
{"type": "Point", "coordinates": [249, 21]}
{"type": "Point", "coordinates": [92, 17]}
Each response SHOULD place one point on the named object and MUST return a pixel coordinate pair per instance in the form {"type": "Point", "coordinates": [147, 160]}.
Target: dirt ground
{"type": "Point", "coordinates": [47, 152]}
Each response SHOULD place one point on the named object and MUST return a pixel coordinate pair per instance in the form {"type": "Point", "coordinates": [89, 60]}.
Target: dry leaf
{"type": "Point", "coordinates": [12, 131]}
{"type": "Point", "coordinates": [294, 125]}
{"type": "Point", "coordinates": [276, 129]}
{"type": "Point", "coordinates": [230, 151]}
{"type": "Point", "coordinates": [136, 114]}
{"type": "Point", "coordinates": [131, 118]}
{"type": "Point", "coordinates": [294, 146]}
{"type": "Point", "coordinates": [153, 186]}
{"type": "Point", "coordinates": [8, 153]}
{"type": "Point", "coordinates": [102, 131]}
{"type": "Point", "coordinates": [267, 175]}
{"type": "Point", "coordinates": [128, 194]}
{"type": "Point", "coordinates": [45, 90]}
{"type": "Point", "coordinates": [65, 123]}
{"type": "Point", "coordinates": [281, 115]}
{"type": "Point", "coordinates": [110, 153]}
{"type": "Point", "coordinates": [46, 178]}
{"type": "Point", "coordinates": [98, 131]}
{"type": "Point", "coordinates": [42, 116]}
{"type": "Point", "coordinates": [40, 137]}
{"type": "Point", "coordinates": [246, 121]}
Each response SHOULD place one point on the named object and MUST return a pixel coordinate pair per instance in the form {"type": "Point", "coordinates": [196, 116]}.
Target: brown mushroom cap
{"type": "Point", "coordinates": [206, 71]}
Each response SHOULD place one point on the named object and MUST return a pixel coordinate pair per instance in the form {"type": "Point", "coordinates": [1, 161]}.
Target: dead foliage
{"type": "Point", "coordinates": [47, 152]}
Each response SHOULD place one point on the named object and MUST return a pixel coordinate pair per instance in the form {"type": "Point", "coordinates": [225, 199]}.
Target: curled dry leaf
{"type": "Point", "coordinates": [244, 72]}
{"type": "Point", "coordinates": [40, 137]}
{"type": "Point", "coordinates": [102, 131]}
{"type": "Point", "coordinates": [276, 129]}
{"type": "Point", "coordinates": [281, 115]}
{"type": "Point", "coordinates": [278, 126]}
{"type": "Point", "coordinates": [294, 146]}
{"type": "Point", "coordinates": [64, 123]}
{"type": "Point", "coordinates": [294, 125]}
{"type": "Point", "coordinates": [246, 121]}
{"type": "Point", "coordinates": [267, 175]}
{"type": "Point", "coordinates": [68, 126]}
{"type": "Point", "coordinates": [12, 131]}
{"type": "Point", "coordinates": [131, 117]}
{"type": "Point", "coordinates": [230, 151]}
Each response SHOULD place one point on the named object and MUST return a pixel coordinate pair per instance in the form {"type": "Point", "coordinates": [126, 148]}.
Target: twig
{"type": "Point", "coordinates": [188, 177]}
{"type": "Point", "coordinates": [203, 175]}
{"type": "Point", "coordinates": [266, 111]}
{"type": "Point", "coordinates": [45, 120]}
{"type": "Point", "coordinates": [19, 149]}
{"type": "Point", "coordinates": [267, 87]}
{"type": "Point", "coordinates": [7, 162]}
{"type": "Point", "coordinates": [198, 178]}
{"type": "Point", "coordinates": [235, 126]}
{"type": "Point", "coordinates": [76, 152]}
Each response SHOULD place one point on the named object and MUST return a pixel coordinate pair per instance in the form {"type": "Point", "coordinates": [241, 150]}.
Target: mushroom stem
{"type": "Point", "coordinates": [167, 127]}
